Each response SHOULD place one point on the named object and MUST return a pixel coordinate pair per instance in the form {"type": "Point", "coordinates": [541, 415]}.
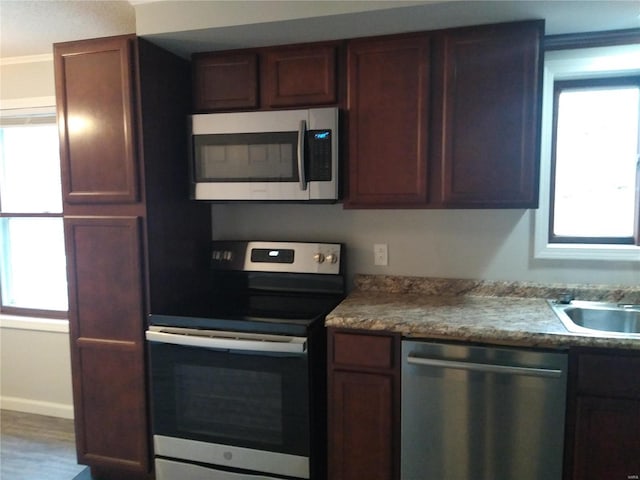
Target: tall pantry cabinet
{"type": "Point", "coordinates": [134, 240]}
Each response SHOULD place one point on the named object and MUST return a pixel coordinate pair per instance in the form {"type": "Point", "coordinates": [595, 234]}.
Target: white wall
{"type": "Point", "coordinates": [27, 82]}
{"type": "Point", "coordinates": [474, 244]}
{"type": "Point", "coordinates": [35, 369]}
{"type": "Point", "coordinates": [35, 373]}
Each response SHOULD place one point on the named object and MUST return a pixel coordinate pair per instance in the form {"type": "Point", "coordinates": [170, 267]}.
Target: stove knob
{"type": "Point", "coordinates": [318, 257]}
{"type": "Point", "coordinates": [332, 258]}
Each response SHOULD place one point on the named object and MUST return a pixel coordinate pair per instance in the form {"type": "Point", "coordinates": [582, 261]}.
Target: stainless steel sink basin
{"type": "Point", "coordinates": [598, 318]}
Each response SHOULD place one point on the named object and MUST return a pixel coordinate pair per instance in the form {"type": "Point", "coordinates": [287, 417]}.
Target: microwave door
{"type": "Point", "coordinates": [250, 166]}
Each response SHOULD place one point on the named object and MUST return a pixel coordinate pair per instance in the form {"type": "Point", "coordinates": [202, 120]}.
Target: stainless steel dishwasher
{"type": "Point", "coordinates": [478, 413]}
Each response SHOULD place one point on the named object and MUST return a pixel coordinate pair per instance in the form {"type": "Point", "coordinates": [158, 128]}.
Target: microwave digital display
{"type": "Point", "coordinates": [319, 155]}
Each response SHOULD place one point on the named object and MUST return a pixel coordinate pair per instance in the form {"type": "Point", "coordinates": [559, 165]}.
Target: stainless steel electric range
{"type": "Point", "coordinates": [238, 376]}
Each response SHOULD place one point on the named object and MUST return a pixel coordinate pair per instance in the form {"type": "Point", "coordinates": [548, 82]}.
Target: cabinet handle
{"type": "Point", "coordinates": [633, 477]}
{"type": "Point", "coordinates": [485, 367]}
{"type": "Point", "coordinates": [301, 172]}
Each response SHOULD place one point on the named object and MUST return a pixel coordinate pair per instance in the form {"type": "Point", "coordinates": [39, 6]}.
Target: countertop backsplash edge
{"type": "Point", "coordinates": [486, 288]}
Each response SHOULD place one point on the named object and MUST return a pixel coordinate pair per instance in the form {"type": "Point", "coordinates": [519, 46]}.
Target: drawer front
{"type": "Point", "coordinates": [609, 375]}
{"type": "Point", "coordinates": [361, 350]}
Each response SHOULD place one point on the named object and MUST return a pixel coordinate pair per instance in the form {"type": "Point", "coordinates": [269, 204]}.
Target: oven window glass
{"type": "Point", "coordinates": [247, 157]}
{"type": "Point", "coordinates": [236, 404]}
{"type": "Point", "coordinates": [247, 399]}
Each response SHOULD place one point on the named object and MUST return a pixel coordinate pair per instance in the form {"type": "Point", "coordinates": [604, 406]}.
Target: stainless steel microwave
{"type": "Point", "coordinates": [276, 155]}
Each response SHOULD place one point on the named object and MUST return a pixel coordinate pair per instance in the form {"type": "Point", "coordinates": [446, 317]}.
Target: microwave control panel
{"type": "Point", "coordinates": [319, 155]}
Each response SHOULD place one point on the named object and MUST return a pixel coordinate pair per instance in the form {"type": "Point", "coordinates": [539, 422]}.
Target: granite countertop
{"type": "Point", "coordinates": [500, 313]}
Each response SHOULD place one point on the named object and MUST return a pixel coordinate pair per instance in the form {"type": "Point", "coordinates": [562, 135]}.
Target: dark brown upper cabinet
{"type": "Point", "coordinates": [448, 119]}
{"type": "Point", "coordinates": [488, 120]}
{"type": "Point", "coordinates": [95, 101]}
{"type": "Point", "coordinates": [225, 81]}
{"type": "Point", "coordinates": [299, 76]}
{"type": "Point", "coordinates": [388, 101]}
{"type": "Point", "coordinates": [274, 77]}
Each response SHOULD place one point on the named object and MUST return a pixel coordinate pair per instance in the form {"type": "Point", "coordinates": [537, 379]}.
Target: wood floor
{"type": "Point", "coordinates": [35, 447]}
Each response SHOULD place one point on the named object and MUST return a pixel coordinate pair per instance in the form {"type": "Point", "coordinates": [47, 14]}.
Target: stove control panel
{"type": "Point", "coordinates": [290, 257]}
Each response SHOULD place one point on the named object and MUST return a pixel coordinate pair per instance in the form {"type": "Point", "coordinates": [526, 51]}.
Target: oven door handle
{"type": "Point", "coordinates": [292, 345]}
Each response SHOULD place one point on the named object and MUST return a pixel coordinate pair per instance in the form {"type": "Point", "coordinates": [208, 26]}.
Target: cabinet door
{"type": "Point", "coordinates": [388, 121]}
{"type": "Point", "coordinates": [225, 81]}
{"type": "Point", "coordinates": [106, 320]}
{"type": "Point", "coordinates": [607, 443]}
{"type": "Point", "coordinates": [94, 96]}
{"type": "Point", "coordinates": [490, 116]}
{"type": "Point", "coordinates": [361, 429]}
{"type": "Point", "coordinates": [364, 399]}
{"type": "Point", "coordinates": [299, 76]}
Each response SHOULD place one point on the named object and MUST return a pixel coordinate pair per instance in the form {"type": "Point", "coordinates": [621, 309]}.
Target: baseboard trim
{"type": "Point", "coordinates": [37, 407]}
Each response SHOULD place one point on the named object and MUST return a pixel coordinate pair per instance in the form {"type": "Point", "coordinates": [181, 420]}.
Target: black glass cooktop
{"type": "Point", "coordinates": [282, 313]}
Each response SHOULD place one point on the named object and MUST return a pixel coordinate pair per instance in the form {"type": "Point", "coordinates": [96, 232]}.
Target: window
{"type": "Point", "coordinates": [588, 172]}
{"type": "Point", "coordinates": [595, 152]}
{"type": "Point", "coordinates": [33, 264]}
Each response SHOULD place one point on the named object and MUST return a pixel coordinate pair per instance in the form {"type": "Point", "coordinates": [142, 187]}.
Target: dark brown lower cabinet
{"type": "Point", "coordinates": [607, 444]}
{"type": "Point", "coordinates": [106, 308]}
{"type": "Point", "coordinates": [364, 399]}
{"type": "Point", "coordinates": [604, 417]}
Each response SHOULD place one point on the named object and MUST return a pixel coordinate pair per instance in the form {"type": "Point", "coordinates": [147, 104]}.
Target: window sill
{"type": "Point", "coordinates": [17, 322]}
{"type": "Point", "coordinates": [569, 251]}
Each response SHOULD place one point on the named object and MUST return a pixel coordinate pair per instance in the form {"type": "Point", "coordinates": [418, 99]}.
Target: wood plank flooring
{"type": "Point", "coordinates": [36, 447]}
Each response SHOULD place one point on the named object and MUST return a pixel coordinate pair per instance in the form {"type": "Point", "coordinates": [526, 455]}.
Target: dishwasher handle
{"type": "Point", "coordinates": [485, 367]}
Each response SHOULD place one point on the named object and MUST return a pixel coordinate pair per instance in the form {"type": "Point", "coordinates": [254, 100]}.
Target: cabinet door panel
{"type": "Point", "coordinates": [299, 76]}
{"type": "Point", "coordinates": [105, 277]}
{"type": "Point", "coordinates": [388, 97]}
{"type": "Point", "coordinates": [110, 411]}
{"type": "Point", "coordinates": [106, 319]}
{"type": "Point", "coordinates": [361, 430]}
{"type": "Point", "coordinates": [490, 116]}
{"type": "Point", "coordinates": [94, 93]}
{"type": "Point", "coordinates": [607, 444]}
{"type": "Point", "coordinates": [225, 81]}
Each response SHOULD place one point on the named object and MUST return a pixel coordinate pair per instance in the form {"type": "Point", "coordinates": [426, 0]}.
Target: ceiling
{"type": "Point", "coordinates": [30, 27]}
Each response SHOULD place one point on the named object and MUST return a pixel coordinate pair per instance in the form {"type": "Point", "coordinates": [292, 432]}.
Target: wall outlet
{"type": "Point", "coordinates": [380, 254]}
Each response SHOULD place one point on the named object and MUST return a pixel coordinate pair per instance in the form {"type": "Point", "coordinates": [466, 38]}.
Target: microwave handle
{"type": "Point", "coordinates": [301, 134]}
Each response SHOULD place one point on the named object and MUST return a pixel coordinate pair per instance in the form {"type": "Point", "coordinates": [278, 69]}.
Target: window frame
{"type": "Point", "coordinates": [574, 64]}
{"type": "Point", "coordinates": [559, 86]}
{"type": "Point", "coordinates": [37, 113]}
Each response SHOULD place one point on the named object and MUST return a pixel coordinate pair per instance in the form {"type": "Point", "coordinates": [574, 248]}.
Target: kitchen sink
{"type": "Point", "coordinates": [598, 318]}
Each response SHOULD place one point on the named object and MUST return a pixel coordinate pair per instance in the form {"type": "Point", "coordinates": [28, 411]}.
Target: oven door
{"type": "Point", "coordinates": [238, 401]}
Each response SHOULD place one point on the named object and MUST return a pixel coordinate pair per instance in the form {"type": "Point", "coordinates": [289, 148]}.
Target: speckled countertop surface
{"type": "Point", "coordinates": [501, 313]}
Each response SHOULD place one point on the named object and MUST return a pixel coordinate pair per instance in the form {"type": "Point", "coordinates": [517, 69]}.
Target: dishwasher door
{"type": "Point", "coordinates": [478, 413]}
